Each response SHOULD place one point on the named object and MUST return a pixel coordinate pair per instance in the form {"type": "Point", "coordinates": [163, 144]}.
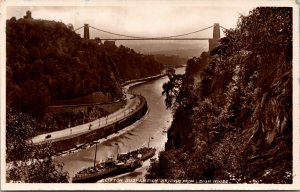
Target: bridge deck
{"type": "Point", "coordinates": [138, 39]}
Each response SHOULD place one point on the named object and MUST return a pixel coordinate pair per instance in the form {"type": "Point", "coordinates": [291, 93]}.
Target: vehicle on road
{"type": "Point", "coordinates": [48, 136]}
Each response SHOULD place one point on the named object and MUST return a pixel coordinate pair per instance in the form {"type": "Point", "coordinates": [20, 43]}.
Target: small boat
{"type": "Point", "coordinates": [141, 153]}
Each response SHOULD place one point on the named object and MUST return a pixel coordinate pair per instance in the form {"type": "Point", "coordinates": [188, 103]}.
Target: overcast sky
{"type": "Point", "coordinates": [139, 20]}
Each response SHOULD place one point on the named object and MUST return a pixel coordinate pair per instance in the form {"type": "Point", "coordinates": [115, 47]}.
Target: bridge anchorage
{"type": "Point", "coordinates": [213, 42]}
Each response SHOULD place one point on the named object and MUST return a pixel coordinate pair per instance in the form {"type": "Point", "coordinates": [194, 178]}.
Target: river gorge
{"type": "Point", "coordinates": [151, 129]}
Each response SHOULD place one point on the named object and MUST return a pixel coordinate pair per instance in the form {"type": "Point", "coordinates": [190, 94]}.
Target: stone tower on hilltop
{"type": "Point", "coordinates": [28, 15]}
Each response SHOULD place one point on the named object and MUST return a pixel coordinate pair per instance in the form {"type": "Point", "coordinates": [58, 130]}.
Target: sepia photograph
{"type": "Point", "coordinates": [149, 95]}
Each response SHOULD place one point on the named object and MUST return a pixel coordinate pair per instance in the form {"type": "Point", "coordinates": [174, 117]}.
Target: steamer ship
{"type": "Point", "coordinates": [126, 162]}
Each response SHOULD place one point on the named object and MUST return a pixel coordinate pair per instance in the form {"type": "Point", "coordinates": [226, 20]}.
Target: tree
{"type": "Point", "coordinates": [26, 162]}
{"type": "Point", "coordinates": [241, 125]}
{"type": "Point", "coordinates": [178, 91]}
{"type": "Point", "coordinates": [70, 26]}
{"type": "Point", "coordinates": [19, 128]}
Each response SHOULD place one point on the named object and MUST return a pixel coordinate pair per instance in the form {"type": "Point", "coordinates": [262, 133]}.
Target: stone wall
{"type": "Point", "coordinates": [109, 107]}
{"type": "Point", "coordinates": [143, 79]}
{"type": "Point", "coordinates": [76, 140]}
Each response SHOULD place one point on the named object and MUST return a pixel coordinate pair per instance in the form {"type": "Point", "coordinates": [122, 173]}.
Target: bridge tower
{"type": "Point", "coordinates": [214, 42]}
{"type": "Point", "coordinates": [86, 34]}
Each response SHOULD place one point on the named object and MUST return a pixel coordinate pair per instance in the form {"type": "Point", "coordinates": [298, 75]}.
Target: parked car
{"type": "Point", "coordinates": [48, 136]}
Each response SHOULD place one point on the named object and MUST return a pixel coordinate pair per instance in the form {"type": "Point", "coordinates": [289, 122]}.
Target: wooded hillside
{"type": "Point", "coordinates": [236, 123]}
{"type": "Point", "coordinates": [47, 61]}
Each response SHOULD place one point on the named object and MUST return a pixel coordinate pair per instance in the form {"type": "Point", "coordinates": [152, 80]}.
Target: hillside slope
{"type": "Point", "coordinates": [236, 123]}
{"type": "Point", "coordinates": [130, 64]}
{"type": "Point", "coordinates": [47, 61]}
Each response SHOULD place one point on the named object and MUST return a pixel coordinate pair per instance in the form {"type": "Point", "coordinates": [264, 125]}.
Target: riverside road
{"type": "Point", "coordinates": [149, 130]}
{"type": "Point", "coordinates": [131, 104]}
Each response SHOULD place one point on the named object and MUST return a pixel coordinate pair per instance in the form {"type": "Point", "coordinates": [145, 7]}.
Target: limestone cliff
{"type": "Point", "coordinates": [238, 126]}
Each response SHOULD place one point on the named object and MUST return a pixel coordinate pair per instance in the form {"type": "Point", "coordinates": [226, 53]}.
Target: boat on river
{"type": "Point", "coordinates": [124, 163]}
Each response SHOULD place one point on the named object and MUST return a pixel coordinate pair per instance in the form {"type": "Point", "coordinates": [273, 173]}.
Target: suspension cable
{"type": "Point", "coordinates": [223, 27]}
{"type": "Point", "coordinates": [138, 37]}
{"type": "Point", "coordinates": [78, 28]}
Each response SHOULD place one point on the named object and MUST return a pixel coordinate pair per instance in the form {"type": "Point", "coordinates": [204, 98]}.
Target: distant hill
{"type": "Point", "coordinates": [170, 61]}
{"type": "Point", "coordinates": [183, 53]}
{"type": "Point", "coordinates": [130, 64]}
{"type": "Point", "coordinates": [169, 48]}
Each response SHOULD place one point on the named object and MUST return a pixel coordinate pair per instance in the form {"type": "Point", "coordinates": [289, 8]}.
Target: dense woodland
{"type": "Point", "coordinates": [46, 62]}
{"type": "Point", "coordinates": [26, 162]}
{"type": "Point", "coordinates": [170, 60]}
{"type": "Point", "coordinates": [130, 64]}
{"type": "Point", "coordinates": [233, 117]}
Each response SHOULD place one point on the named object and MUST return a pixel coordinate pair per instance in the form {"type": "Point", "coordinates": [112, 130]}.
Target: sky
{"type": "Point", "coordinates": [149, 20]}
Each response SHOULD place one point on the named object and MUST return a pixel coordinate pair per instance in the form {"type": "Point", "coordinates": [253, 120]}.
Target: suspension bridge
{"type": "Point", "coordinates": [213, 42]}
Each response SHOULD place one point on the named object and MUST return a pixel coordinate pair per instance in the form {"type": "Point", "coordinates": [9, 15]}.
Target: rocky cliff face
{"type": "Point", "coordinates": [239, 127]}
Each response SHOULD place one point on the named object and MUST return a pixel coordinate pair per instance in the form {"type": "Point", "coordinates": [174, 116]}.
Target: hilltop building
{"type": "Point", "coordinates": [28, 15]}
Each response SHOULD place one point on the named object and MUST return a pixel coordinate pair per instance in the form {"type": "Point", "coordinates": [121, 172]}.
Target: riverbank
{"type": "Point", "coordinates": [151, 126]}
{"type": "Point", "coordinates": [69, 132]}
{"type": "Point", "coordinates": [102, 140]}
{"type": "Point", "coordinates": [76, 136]}
{"type": "Point", "coordinates": [143, 79]}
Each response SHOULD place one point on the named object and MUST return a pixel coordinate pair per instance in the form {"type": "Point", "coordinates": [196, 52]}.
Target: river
{"type": "Point", "coordinates": [150, 128]}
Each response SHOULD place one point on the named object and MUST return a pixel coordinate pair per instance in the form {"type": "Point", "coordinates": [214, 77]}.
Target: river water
{"type": "Point", "coordinates": [148, 130]}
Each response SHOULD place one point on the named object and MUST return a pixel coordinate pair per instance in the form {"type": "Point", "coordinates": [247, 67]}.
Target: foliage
{"type": "Point", "coordinates": [130, 64]}
{"type": "Point", "coordinates": [62, 120]}
{"type": "Point", "coordinates": [170, 60]}
{"type": "Point", "coordinates": [26, 162]}
{"type": "Point", "coordinates": [240, 128]}
{"type": "Point", "coordinates": [178, 91]}
{"type": "Point", "coordinates": [48, 62]}
{"type": "Point", "coordinates": [19, 128]}
{"type": "Point", "coordinates": [195, 65]}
